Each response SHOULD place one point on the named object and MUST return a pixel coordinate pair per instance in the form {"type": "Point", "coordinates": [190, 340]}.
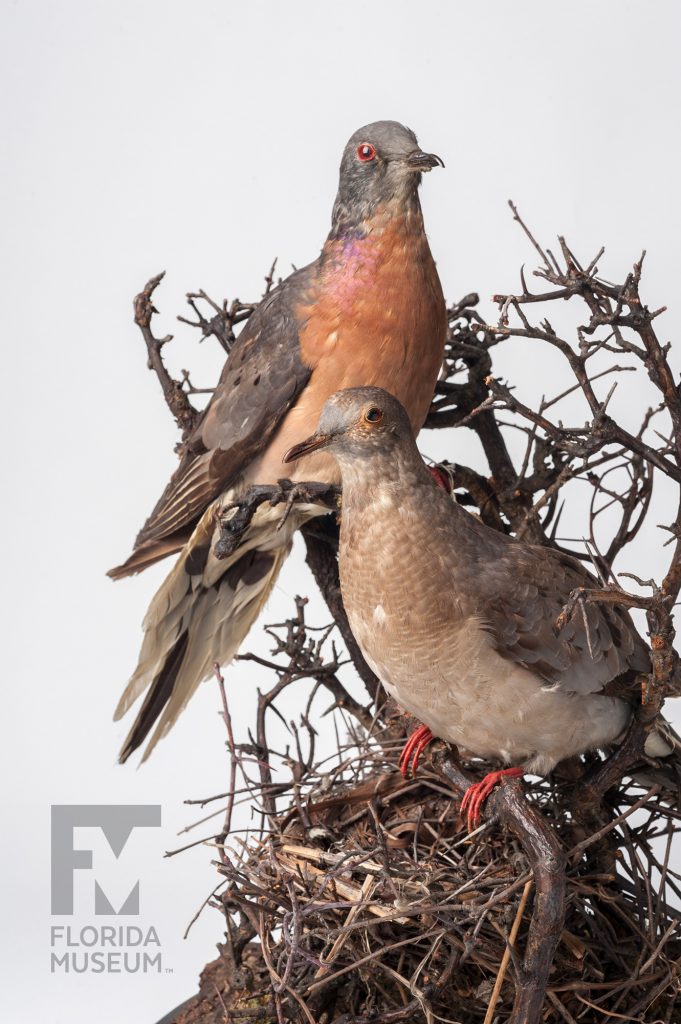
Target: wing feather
{"type": "Point", "coordinates": [524, 591]}
{"type": "Point", "coordinates": [260, 381]}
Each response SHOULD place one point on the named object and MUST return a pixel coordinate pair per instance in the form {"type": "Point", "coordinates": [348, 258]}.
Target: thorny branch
{"type": "Point", "coordinates": [358, 896]}
{"type": "Point", "coordinates": [186, 416]}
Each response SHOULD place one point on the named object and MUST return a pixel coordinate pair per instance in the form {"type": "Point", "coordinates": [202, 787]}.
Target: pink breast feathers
{"type": "Point", "coordinates": [349, 272]}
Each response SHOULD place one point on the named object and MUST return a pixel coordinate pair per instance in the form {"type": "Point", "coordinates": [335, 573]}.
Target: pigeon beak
{"type": "Point", "coordinates": [418, 161]}
{"type": "Point", "coordinates": [310, 444]}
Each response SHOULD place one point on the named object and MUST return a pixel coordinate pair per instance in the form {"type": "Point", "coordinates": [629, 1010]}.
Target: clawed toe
{"type": "Point", "coordinates": [305, 492]}
{"type": "Point", "coordinates": [475, 796]}
{"type": "Point", "coordinates": [413, 748]}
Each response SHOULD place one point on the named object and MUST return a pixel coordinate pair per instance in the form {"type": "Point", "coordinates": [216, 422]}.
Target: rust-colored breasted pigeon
{"type": "Point", "coordinates": [369, 310]}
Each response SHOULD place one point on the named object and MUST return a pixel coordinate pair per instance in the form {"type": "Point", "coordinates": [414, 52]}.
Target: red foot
{"type": "Point", "coordinates": [413, 748]}
{"type": "Point", "coordinates": [441, 478]}
{"type": "Point", "coordinates": [475, 795]}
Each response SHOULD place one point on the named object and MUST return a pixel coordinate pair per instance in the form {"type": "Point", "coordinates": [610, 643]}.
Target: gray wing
{"type": "Point", "coordinates": [260, 381]}
{"type": "Point", "coordinates": [525, 587]}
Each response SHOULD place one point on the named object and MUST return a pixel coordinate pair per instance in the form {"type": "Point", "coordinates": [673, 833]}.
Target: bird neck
{"type": "Point", "coordinates": [397, 486]}
{"type": "Point", "coordinates": [356, 249]}
{"type": "Point", "coordinates": [379, 480]}
{"type": "Point", "coordinates": [355, 219]}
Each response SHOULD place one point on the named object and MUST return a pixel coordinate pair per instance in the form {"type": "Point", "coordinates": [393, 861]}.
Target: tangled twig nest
{"type": "Point", "coordinates": [363, 898]}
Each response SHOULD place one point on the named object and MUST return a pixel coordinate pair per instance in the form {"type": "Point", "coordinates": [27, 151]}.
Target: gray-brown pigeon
{"type": "Point", "coordinates": [458, 620]}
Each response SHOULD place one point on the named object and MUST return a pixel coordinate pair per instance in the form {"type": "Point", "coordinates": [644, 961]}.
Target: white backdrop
{"type": "Point", "coordinates": [204, 139]}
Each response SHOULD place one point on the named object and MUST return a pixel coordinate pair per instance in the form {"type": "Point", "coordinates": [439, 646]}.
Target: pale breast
{"type": "Point", "coordinates": [466, 693]}
{"type": "Point", "coordinates": [436, 657]}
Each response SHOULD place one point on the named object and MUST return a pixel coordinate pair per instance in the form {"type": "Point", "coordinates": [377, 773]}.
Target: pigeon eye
{"type": "Point", "coordinates": [373, 415]}
{"type": "Point", "coordinates": [366, 152]}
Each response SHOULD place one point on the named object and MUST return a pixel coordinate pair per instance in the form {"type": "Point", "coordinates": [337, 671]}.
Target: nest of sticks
{"type": "Point", "coordinates": [360, 896]}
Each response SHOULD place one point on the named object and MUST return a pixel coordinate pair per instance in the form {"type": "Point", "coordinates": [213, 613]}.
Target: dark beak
{"type": "Point", "coordinates": [310, 444]}
{"type": "Point", "coordinates": [419, 161]}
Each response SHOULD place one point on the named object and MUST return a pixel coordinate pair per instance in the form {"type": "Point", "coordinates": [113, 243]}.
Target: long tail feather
{"type": "Point", "coordinates": [200, 615]}
{"type": "Point", "coordinates": [148, 554]}
{"type": "Point", "coordinates": [156, 699]}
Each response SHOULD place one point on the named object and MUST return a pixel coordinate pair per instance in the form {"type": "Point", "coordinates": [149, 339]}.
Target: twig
{"type": "Point", "coordinates": [506, 958]}
{"type": "Point", "coordinates": [233, 764]}
{"type": "Point", "coordinates": [186, 416]}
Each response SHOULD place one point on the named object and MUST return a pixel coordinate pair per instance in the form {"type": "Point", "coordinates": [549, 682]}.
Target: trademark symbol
{"type": "Point", "coordinates": [168, 970]}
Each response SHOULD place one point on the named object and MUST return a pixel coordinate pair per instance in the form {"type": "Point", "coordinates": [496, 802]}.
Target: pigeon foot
{"type": "Point", "coordinates": [475, 796]}
{"type": "Point", "coordinates": [413, 748]}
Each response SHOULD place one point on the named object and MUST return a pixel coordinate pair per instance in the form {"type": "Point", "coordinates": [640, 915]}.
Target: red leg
{"type": "Point", "coordinates": [475, 795]}
{"type": "Point", "coordinates": [413, 748]}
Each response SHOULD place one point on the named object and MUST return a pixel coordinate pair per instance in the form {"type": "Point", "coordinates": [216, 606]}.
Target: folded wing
{"type": "Point", "coordinates": [260, 381]}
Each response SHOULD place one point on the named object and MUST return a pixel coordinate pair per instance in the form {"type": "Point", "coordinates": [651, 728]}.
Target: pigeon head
{"type": "Point", "coordinates": [357, 423]}
{"type": "Point", "coordinates": [382, 164]}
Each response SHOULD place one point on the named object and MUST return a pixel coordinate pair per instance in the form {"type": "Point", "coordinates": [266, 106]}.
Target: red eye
{"type": "Point", "coordinates": [366, 152]}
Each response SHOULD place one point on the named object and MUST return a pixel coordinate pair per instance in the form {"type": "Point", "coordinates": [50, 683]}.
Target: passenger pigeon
{"type": "Point", "coordinates": [369, 310]}
{"type": "Point", "coordinates": [458, 620]}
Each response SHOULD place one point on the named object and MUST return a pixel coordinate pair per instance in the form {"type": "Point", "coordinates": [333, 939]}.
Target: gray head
{"type": "Point", "coordinates": [382, 163]}
{"type": "Point", "coordinates": [358, 423]}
